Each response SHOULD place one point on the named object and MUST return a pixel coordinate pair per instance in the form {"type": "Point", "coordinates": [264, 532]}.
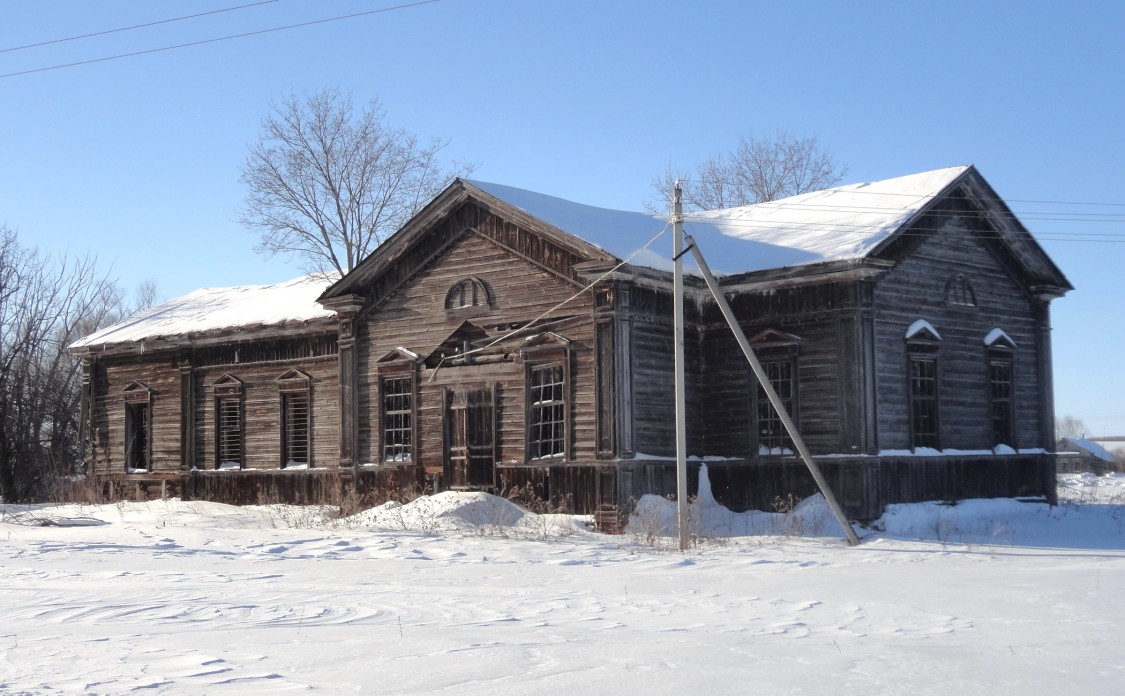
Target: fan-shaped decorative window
{"type": "Point", "coordinates": [959, 291]}
{"type": "Point", "coordinates": [467, 293]}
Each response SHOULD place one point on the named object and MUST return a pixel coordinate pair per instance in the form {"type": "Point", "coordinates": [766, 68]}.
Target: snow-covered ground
{"type": "Point", "coordinates": [465, 593]}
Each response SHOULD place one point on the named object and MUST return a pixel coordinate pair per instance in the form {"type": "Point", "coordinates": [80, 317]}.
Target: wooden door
{"type": "Point", "coordinates": [470, 436]}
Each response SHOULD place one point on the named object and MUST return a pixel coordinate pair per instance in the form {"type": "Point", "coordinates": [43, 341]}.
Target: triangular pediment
{"type": "Point", "coordinates": [970, 203]}
{"type": "Point", "coordinates": [463, 209]}
{"type": "Point", "coordinates": [400, 354]}
{"type": "Point", "coordinates": [774, 337]}
{"type": "Point", "coordinates": [227, 384]}
{"type": "Point", "coordinates": [546, 338]}
{"type": "Point", "coordinates": [293, 374]}
{"type": "Point", "coordinates": [136, 391]}
{"type": "Point", "coordinates": [465, 338]}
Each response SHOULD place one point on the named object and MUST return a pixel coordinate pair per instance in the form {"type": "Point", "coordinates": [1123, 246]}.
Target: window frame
{"type": "Point", "coordinates": [294, 385]}
{"type": "Point", "coordinates": [479, 294]}
{"type": "Point", "coordinates": [781, 440]}
{"type": "Point", "coordinates": [229, 389]}
{"type": "Point", "coordinates": [137, 401]}
{"type": "Point", "coordinates": [547, 360]}
{"type": "Point", "coordinates": [959, 292]}
{"type": "Point", "coordinates": [403, 373]}
{"type": "Point", "coordinates": [774, 347]}
{"type": "Point", "coordinates": [1001, 353]}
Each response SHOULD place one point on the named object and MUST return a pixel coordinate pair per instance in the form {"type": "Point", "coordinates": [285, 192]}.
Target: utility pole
{"type": "Point", "coordinates": [681, 389]}
{"type": "Point", "coordinates": [771, 394]}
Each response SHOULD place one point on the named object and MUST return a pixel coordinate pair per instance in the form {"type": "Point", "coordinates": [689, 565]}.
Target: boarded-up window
{"type": "Point", "coordinates": [296, 419]}
{"type": "Point", "coordinates": [772, 437]}
{"type": "Point", "coordinates": [295, 427]}
{"type": "Point", "coordinates": [546, 417]}
{"type": "Point", "coordinates": [923, 401]}
{"type": "Point", "coordinates": [228, 422]}
{"type": "Point", "coordinates": [397, 419]}
{"type": "Point", "coordinates": [229, 413]}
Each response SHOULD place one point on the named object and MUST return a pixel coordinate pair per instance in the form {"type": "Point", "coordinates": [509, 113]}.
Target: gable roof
{"type": "Point", "coordinates": [1085, 446]}
{"type": "Point", "coordinates": [213, 310]}
{"type": "Point", "coordinates": [840, 223]}
{"type": "Point", "coordinates": [836, 224]}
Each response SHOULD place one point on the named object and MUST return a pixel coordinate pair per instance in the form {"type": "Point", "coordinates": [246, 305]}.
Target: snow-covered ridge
{"type": "Point", "coordinates": [845, 222]}
{"type": "Point", "coordinates": [216, 309]}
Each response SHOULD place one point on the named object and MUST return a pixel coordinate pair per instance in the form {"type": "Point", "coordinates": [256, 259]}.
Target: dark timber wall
{"type": "Point", "coordinates": [182, 425]}
{"type": "Point", "coordinates": [526, 276]}
{"type": "Point", "coordinates": [916, 289]}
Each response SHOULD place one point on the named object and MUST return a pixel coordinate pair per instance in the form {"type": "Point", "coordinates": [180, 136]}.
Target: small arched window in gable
{"type": "Point", "coordinates": [959, 291]}
{"type": "Point", "coordinates": [467, 293]}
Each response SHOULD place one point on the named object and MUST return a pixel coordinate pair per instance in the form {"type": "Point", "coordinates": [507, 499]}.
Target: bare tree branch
{"type": "Point", "coordinates": [757, 171]}
{"type": "Point", "coordinates": [46, 303]}
{"type": "Point", "coordinates": [328, 185]}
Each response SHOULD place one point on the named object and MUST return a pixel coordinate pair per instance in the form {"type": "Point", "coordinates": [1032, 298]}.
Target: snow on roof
{"type": "Point", "coordinates": [997, 335]}
{"type": "Point", "coordinates": [846, 222]}
{"type": "Point", "coordinates": [922, 325]}
{"type": "Point", "coordinates": [1090, 447]}
{"type": "Point", "coordinates": [214, 309]}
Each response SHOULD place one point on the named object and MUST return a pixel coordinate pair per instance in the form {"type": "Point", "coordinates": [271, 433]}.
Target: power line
{"type": "Point", "coordinates": [135, 26]}
{"type": "Point", "coordinates": [221, 38]}
{"type": "Point", "coordinates": [846, 190]}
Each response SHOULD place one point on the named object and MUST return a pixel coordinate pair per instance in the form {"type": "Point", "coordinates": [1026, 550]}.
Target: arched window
{"type": "Point", "coordinates": [467, 293]}
{"type": "Point", "coordinates": [959, 291]}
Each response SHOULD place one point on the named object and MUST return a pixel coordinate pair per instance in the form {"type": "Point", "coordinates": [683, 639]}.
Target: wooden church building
{"type": "Point", "coordinates": [506, 338]}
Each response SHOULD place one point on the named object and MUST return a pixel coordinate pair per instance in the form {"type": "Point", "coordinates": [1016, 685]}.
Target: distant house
{"type": "Point", "coordinates": [506, 338]}
{"type": "Point", "coordinates": [1077, 454]}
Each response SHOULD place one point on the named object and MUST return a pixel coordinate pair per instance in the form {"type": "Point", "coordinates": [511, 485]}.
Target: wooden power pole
{"type": "Point", "coordinates": [681, 389]}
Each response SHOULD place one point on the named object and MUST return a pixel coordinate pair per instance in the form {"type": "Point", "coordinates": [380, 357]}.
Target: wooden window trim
{"type": "Point", "coordinates": [292, 383]}
{"type": "Point", "coordinates": [781, 441]}
{"type": "Point", "coordinates": [545, 359]}
{"type": "Point", "coordinates": [916, 440]}
{"type": "Point", "coordinates": [923, 346]}
{"type": "Point", "coordinates": [480, 298]}
{"type": "Point", "coordinates": [227, 389]}
{"type": "Point", "coordinates": [137, 399]}
{"type": "Point", "coordinates": [1001, 355]}
{"type": "Point", "coordinates": [409, 372]}
{"type": "Point", "coordinates": [959, 292]}
{"type": "Point", "coordinates": [774, 346]}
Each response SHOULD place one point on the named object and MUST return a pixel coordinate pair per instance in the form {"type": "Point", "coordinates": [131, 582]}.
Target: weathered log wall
{"type": "Point", "coordinates": [916, 289]}
{"type": "Point", "coordinates": [415, 317]}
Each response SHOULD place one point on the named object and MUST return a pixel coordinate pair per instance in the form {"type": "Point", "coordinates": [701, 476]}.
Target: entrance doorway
{"type": "Point", "coordinates": [470, 436]}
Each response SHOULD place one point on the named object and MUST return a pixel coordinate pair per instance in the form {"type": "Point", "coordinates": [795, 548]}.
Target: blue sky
{"type": "Point", "coordinates": [138, 159]}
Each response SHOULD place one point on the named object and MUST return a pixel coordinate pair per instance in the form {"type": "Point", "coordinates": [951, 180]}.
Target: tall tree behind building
{"type": "Point", "coordinates": [328, 184]}
{"type": "Point", "coordinates": [46, 303]}
{"type": "Point", "coordinates": [757, 171]}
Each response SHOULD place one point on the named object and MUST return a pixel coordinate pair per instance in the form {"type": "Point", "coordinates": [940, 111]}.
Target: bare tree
{"type": "Point", "coordinates": [759, 170]}
{"type": "Point", "coordinates": [1070, 427]}
{"type": "Point", "coordinates": [329, 185]}
{"type": "Point", "coordinates": [45, 304]}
